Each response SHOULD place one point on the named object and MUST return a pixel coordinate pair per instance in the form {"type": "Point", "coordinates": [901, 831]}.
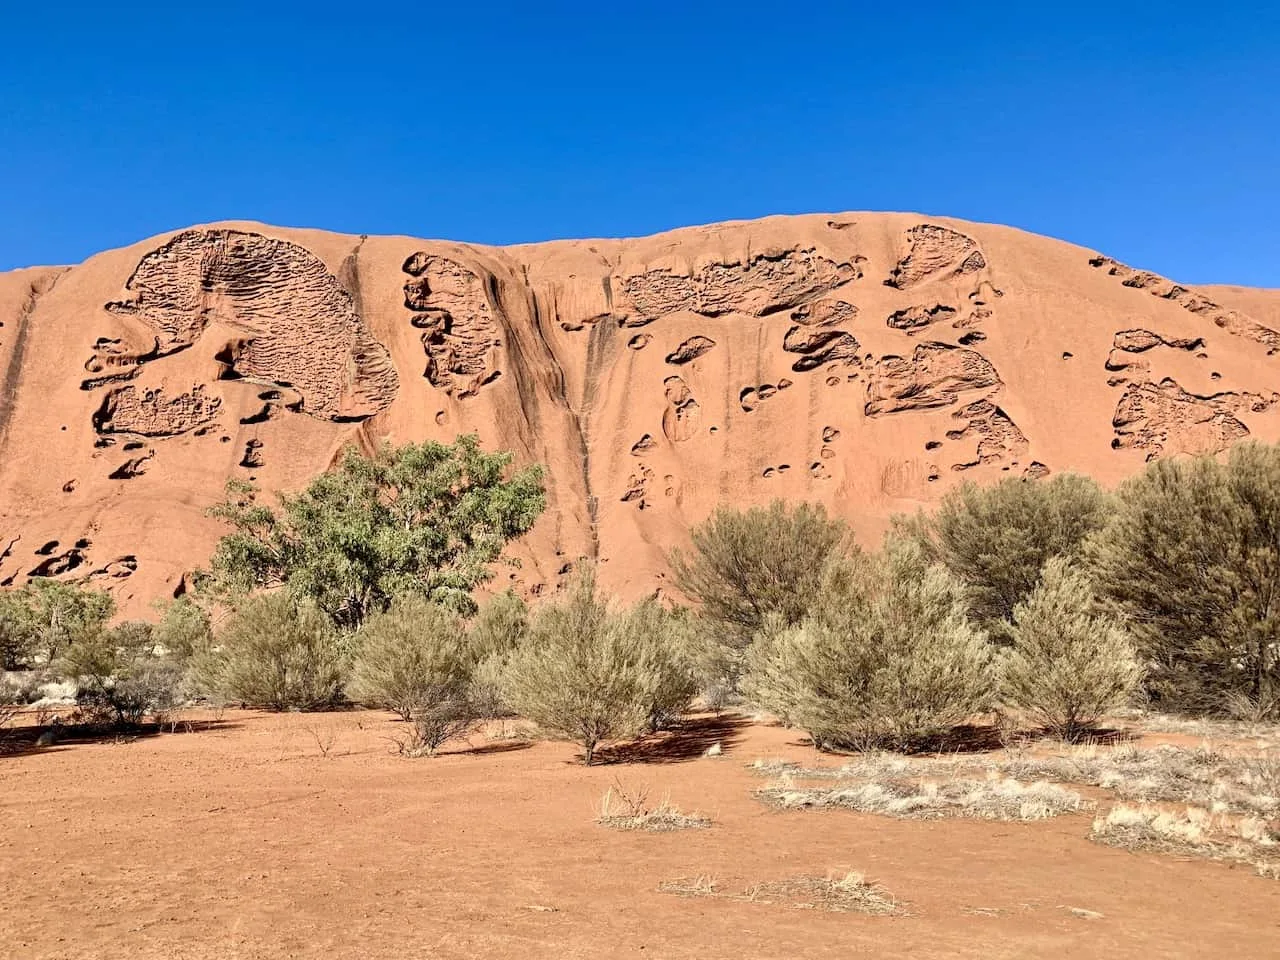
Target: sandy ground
{"type": "Point", "coordinates": [245, 841]}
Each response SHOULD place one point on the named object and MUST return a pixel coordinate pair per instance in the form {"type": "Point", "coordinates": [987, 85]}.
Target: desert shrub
{"type": "Point", "coordinates": [887, 657]}
{"type": "Point", "coordinates": [747, 565]}
{"type": "Point", "coordinates": [996, 539]}
{"type": "Point", "coordinates": [120, 679]}
{"type": "Point", "coordinates": [183, 630]}
{"type": "Point", "coordinates": [1070, 663]}
{"type": "Point", "coordinates": [426, 519]}
{"type": "Point", "coordinates": [40, 620]}
{"type": "Point", "coordinates": [413, 660]}
{"type": "Point", "coordinates": [500, 627]}
{"type": "Point", "coordinates": [590, 673]}
{"type": "Point", "coordinates": [278, 653]}
{"type": "Point", "coordinates": [1191, 561]}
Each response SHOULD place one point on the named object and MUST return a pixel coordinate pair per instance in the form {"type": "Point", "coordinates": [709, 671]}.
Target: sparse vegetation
{"type": "Point", "coordinates": [1069, 663]}
{"type": "Point", "coordinates": [1193, 831]}
{"type": "Point", "coordinates": [624, 809]}
{"type": "Point", "coordinates": [887, 658]}
{"type": "Point", "coordinates": [848, 893]}
{"type": "Point", "coordinates": [278, 653]}
{"type": "Point", "coordinates": [988, 798]}
{"type": "Point", "coordinates": [426, 519]}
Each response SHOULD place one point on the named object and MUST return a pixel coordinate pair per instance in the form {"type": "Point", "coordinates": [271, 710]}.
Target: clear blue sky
{"type": "Point", "coordinates": [1149, 131]}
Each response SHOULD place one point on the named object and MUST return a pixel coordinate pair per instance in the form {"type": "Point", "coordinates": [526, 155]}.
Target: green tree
{"type": "Point", "coordinates": [426, 518]}
{"type": "Point", "coordinates": [887, 657]}
{"type": "Point", "coordinates": [1192, 562]}
{"type": "Point", "coordinates": [276, 652]}
{"type": "Point", "coordinates": [1070, 662]}
{"type": "Point", "coordinates": [42, 618]}
{"type": "Point", "coordinates": [747, 565]}
{"type": "Point", "coordinates": [997, 539]}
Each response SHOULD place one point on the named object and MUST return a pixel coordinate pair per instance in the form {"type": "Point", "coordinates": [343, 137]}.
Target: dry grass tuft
{"type": "Point", "coordinates": [1193, 832]}
{"type": "Point", "coordinates": [850, 893]}
{"type": "Point", "coordinates": [991, 798]}
{"type": "Point", "coordinates": [624, 810]}
{"type": "Point", "coordinates": [699, 886]}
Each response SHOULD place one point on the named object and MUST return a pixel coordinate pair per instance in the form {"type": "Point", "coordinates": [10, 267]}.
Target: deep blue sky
{"type": "Point", "coordinates": [1148, 131]}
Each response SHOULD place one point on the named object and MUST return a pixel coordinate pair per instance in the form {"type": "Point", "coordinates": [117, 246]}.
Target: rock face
{"type": "Point", "coordinates": [869, 361]}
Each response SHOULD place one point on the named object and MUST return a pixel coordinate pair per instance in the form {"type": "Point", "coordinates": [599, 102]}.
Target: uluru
{"type": "Point", "coordinates": [869, 361]}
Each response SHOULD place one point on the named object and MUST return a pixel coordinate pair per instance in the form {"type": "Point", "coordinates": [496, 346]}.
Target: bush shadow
{"type": "Point", "coordinates": [26, 741]}
{"type": "Point", "coordinates": [690, 739]}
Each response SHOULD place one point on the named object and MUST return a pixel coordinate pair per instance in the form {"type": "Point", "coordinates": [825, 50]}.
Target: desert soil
{"type": "Point", "coordinates": [246, 841]}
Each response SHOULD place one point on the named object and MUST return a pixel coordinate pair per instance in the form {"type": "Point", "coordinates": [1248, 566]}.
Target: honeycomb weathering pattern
{"type": "Point", "coordinates": [295, 324]}
{"type": "Point", "coordinates": [935, 375]}
{"type": "Point", "coordinates": [758, 286]}
{"type": "Point", "coordinates": [1152, 417]}
{"type": "Point", "coordinates": [934, 251]}
{"type": "Point", "coordinates": [448, 302]}
{"type": "Point", "coordinates": [654, 378]}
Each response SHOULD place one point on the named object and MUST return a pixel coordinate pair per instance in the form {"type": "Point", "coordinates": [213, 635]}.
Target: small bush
{"type": "Point", "coordinates": [996, 539]}
{"type": "Point", "coordinates": [888, 657]}
{"type": "Point", "coordinates": [589, 673]}
{"type": "Point", "coordinates": [411, 659]}
{"type": "Point", "coordinates": [1069, 664]}
{"type": "Point", "coordinates": [748, 565]}
{"type": "Point", "coordinates": [277, 653]}
{"type": "Point", "coordinates": [1191, 561]}
{"type": "Point", "coordinates": [120, 679]}
{"type": "Point", "coordinates": [500, 627]}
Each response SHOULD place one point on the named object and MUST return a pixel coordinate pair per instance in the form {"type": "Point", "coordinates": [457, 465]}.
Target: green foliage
{"type": "Point", "coordinates": [120, 678]}
{"type": "Point", "coordinates": [996, 539]}
{"type": "Point", "coordinates": [425, 519]}
{"type": "Point", "coordinates": [41, 619]}
{"type": "Point", "coordinates": [887, 658]}
{"type": "Point", "coordinates": [413, 659]}
{"type": "Point", "coordinates": [276, 652]}
{"type": "Point", "coordinates": [592, 674]}
{"type": "Point", "coordinates": [184, 629]}
{"type": "Point", "coordinates": [1192, 562]}
{"type": "Point", "coordinates": [748, 565]}
{"type": "Point", "coordinates": [1070, 663]}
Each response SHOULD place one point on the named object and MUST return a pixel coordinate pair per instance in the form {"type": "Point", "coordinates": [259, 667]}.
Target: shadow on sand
{"type": "Point", "coordinates": [687, 741]}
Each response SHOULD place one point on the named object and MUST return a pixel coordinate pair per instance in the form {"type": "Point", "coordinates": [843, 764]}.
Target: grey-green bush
{"type": "Point", "coordinates": [746, 565]}
{"type": "Point", "coordinates": [591, 674]}
{"type": "Point", "coordinates": [997, 539]}
{"type": "Point", "coordinates": [414, 659]}
{"type": "Point", "coordinates": [500, 627]}
{"type": "Point", "coordinates": [1191, 561]}
{"type": "Point", "coordinates": [1070, 663]}
{"type": "Point", "coordinates": [277, 653]}
{"type": "Point", "coordinates": [887, 658]}
{"type": "Point", "coordinates": [120, 679]}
